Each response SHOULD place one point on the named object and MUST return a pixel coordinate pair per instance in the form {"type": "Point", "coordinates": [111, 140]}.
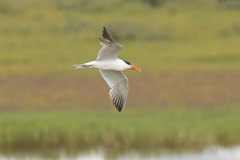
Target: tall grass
{"type": "Point", "coordinates": [135, 128]}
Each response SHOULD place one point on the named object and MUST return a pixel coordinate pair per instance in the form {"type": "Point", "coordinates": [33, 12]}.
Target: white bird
{"type": "Point", "coordinates": [110, 68]}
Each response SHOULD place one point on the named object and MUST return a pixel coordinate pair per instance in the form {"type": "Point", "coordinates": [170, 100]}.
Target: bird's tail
{"type": "Point", "coordinates": [79, 66]}
{"type": "Point", "coordinates": [82, 66]}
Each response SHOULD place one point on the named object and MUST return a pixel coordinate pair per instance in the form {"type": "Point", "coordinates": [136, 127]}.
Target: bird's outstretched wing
{"type": "Point", "coordinates": [110, 48]}
{"type": "Point", "coordinates": [118, 83]}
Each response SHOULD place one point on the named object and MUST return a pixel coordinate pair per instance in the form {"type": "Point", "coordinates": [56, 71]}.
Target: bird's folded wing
{"type": "Point", "coordinates": [110, 48]}
{"type": "Point", "coordinates": [118, 83]}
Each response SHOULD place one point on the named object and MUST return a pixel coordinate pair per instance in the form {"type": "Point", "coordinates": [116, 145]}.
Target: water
{"type": "Point", "coordinates": [213, 153]}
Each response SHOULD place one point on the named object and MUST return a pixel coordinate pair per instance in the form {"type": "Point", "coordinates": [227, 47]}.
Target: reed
{"type": "Point", "coordinates": [170, 128]}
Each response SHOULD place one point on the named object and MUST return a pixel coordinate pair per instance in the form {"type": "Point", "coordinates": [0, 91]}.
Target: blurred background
{"type": "Point", "coordinates": [188, 51]}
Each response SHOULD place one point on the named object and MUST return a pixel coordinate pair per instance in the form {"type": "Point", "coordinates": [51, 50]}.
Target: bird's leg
{"type": "Point", "coordinates": [82, 66]}
{"type": "Point", "coordinates": [86, 66]}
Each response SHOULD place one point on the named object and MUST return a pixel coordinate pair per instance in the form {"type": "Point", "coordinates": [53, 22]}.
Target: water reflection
{"type": "Point", "coordinates": [213, 153]}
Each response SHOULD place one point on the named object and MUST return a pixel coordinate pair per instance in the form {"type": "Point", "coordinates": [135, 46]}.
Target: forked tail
{"type": "Point", "coordinates": [82, 66]}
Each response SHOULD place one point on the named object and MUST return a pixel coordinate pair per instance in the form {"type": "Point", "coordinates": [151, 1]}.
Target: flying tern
{"type": "Point", "coordinates": [111, 69]}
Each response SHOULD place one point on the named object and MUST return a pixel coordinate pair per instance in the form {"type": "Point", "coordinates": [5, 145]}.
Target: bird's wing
{"type": "Point", "coordinates": [110, 48]}
{"type": "Point", "coordinates": [118, 83]}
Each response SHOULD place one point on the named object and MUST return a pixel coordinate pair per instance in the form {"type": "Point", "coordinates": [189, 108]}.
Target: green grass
{"type": "Point", "coordinates": [42, 38]}
{"type": "Point", "coordinates": [132, 129]}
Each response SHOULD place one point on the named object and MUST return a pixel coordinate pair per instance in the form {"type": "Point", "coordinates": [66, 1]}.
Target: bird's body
{"type": "Point", "coordinates": [117, 65]}
{"type": "Point", "coordinates": [110, 68]}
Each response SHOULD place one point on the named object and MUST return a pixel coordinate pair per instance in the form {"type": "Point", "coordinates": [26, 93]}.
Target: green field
{"type": "Point", "coordinates": [163, 128]}
{"type": "Point", "coordinates": [188, 52]}
{"type": "Point", "coordinates": [42, 38]}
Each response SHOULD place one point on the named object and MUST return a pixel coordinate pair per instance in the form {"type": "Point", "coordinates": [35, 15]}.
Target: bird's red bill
{"type": "Point", "coordinates": [135, 68]}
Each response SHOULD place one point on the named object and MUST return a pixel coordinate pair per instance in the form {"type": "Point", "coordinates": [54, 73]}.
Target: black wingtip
{"type": "Point", "coordinates": [119, 110]}
{"type": "Point", "coordinates": [118, 107]}
{"type": "Point", "coordinates": [106, 35]}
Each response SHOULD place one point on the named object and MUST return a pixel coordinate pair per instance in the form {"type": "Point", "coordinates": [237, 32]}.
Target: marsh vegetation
{"type": "Point", "coordinates": [186, 96]}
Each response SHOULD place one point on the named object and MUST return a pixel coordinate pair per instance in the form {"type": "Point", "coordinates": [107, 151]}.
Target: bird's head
{"type": "Point", "coordinates": [130, 65]}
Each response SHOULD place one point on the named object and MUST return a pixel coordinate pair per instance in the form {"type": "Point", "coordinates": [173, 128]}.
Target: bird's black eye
{"type": "Point", "coordinates": [129, 63]}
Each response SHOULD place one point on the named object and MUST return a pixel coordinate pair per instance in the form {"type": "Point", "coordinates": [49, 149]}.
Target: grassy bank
{"type": "Point", "coordinates": [135, 128]}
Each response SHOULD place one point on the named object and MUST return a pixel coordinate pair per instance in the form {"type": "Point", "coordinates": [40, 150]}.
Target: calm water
{"type": "Point", "coordinates": [213, 153]}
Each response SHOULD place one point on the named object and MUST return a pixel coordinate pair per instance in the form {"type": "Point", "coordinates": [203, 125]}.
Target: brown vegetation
{"type": "Point", "coordinates": [192, 89]}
